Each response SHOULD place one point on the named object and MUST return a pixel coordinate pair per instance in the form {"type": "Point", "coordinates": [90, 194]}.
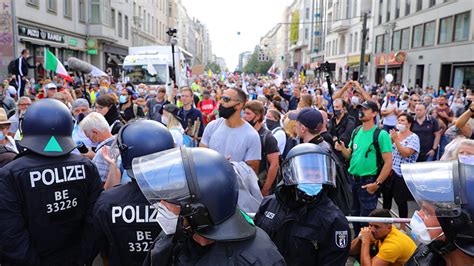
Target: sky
{"type": "Point", "coordinates": [224, 18]}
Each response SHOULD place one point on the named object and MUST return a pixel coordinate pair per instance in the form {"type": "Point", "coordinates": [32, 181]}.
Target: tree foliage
{"type": "Point", "coordinates": [214, 67]}
{"type": "Point", "coordinates": [254, 66]}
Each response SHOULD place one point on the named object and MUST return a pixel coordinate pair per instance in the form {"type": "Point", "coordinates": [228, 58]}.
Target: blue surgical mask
{"type": "Point", "coordinates": [310, 189]}
{"type": "Point", "coordinates": [1, 135]}
{"type": "Point", "coordinates": [123, 99]}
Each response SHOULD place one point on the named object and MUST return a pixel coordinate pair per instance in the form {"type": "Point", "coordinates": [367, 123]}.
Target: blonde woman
{"type": "Point", "coordinates": [306, 100]}
{"type": "Point", "coordinates": [171, 120]}
{"type": "Point", "coordinates": [289, 126]}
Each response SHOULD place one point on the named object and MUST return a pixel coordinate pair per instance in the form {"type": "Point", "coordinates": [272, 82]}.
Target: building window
{"type": "Point", "coordinates": [380, 12]}
{"type": "Point", "coordinates": [397, 9]}
{"type": "Point", "coordinates": [120, 24]}
{"type": "Point", "coordinates": [356, 41]}
{"type": "Point", "coordinates": [32, 2]}
{"type": "Point", "coordinates": [396, 40]}
{"type": "Point", "coordinates": [149, 23]}
{"type": "Point", "coordinates": [446, 30]}
{"type": "Point", "coordinates": [82, 11]}
{"type": "Point", "coordinates": [417, 36]}
{"type": "Point", "coordinates": [405, 39]}
{"type": "Point", "coordinates": [51, 6]}
{"type": "Point", "coordinates": [306, 34]}
{"type": "Point", "coordinates": [407, 7]}
{"type": "Point", "coordinates": [106, 12]}
{"type": "Point", "coordinates": [419, 5]}
{"type": "Point", "coordinates": [95, 11]}
{"type": "Point", "coordinates": [348, 9]}
{"type": "Point", "coordinates": [349, 45]}
{"type": "Point", "coordinates": [389, 6]}
{"type": "Point", "coordinates": [306, 13]}
{"type": "Point", "coordinates": [379, 43]}
{"type": "Point", "coordinates": [461, 26]}
{"type": "Point", "coordinates": [354, 13]}
{"type": "Point", "coordinates": [429, 33]}
{"type": "Point", "coordinates": [432, 3]}
{"type": "Point", "coordinates": [67, 8]}
{"type": "Point", "coordinates": [126, 27]}
{"type": "Point", "coordinates": [112, 18]}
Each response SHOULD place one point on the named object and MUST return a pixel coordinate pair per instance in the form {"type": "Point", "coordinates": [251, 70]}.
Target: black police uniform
{"type": "Point", "coordinates": [315, 233]}
{"type": "Point", "coordinates": [125, 225]}
{"type": "Point", "coordinates": [45, 203]}
{"type": "Point", "coordinates": [424, 256]}
{"type": "Point", "coordinates": [255, 251]}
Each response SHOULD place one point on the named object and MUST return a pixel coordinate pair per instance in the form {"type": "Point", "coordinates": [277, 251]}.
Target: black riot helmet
{"type": "Point", "coordinates": [308, 163]}
{"type": "Point", "coordinates": [47, 128]}
{"type": "Point", "coordinates": [203, 183]}
{"type": "Point", "coordinates": [142, 137]}
{"type": "Point", "coordinates": [444, 188]}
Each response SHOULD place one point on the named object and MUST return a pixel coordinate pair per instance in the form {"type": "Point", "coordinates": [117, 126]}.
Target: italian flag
{"type": "Point", "coordinates": [52, 63]}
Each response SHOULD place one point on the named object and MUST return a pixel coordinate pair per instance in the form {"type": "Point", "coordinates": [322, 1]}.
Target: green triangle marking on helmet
{"type": "Point", "coordinates": [249, 220]}
{"type": "Point", "coordinates": [52, 146]}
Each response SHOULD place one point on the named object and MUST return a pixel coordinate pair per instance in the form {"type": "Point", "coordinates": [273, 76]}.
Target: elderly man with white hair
{"type": "Point", "coordinates": [80, 109]}
{"type": "Point", "coordinates": [96, 128]}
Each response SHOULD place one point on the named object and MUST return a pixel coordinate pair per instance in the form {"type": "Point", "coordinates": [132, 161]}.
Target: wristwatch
{"type": "Point", "coordinates": [470, 109]}
{"type": "Point", "coordinates": [378, 183]}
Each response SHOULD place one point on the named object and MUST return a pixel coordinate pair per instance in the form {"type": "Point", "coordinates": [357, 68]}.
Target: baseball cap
{"type": "Point", "coordinates": [309, 117]}
{"type": "Point", "coordinates": [50, 86]}
{"type": "Point", "coordinates": [369, 105]}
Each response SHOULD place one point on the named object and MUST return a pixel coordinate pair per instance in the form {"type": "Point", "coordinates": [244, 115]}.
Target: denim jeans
{"type": "Point", "coordinates": [363, 203]}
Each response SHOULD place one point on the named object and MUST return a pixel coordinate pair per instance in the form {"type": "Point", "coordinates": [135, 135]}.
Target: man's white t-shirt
{"type": "Point", "coordinates": [391, 119]}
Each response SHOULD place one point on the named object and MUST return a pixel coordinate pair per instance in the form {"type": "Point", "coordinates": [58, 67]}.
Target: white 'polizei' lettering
{"type": "Point", "coordinates": [56, 176]}
{"type": "Point", "coordinates": [132, 214]}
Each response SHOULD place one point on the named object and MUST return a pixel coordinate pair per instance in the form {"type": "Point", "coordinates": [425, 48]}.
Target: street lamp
{"type": "Point", "coordinates": [388, 34]}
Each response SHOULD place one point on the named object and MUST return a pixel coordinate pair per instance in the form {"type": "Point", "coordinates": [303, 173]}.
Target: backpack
{"type": "Point", "coordinates": [187, 140]}
{"type": "Point", "coordinates": [376, 144]}
{"type": "Point", "coordinates": [11, 67]}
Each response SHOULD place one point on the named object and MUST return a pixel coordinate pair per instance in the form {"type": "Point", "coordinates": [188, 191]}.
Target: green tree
{"type": "Point", "coordinates": [214, 67]}
{"type": "Point", "coordinates": [254, 66]}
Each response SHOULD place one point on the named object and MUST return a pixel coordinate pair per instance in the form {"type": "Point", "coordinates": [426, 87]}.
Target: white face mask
{"type": "Point", "coordinates": [213, 94]}
{"type": "Point", "coordinates": [166, 219]}
{"type": "Point", "coordinates": [401, 127]}
{"type": "Point", "coordinates": [164, 120]}
{"type": "Point", "coordinates": [420, 231]}
{"type": "Point", "coordinates": [466, 159]}
{"type": "Point", "coordinates": [355, 100]}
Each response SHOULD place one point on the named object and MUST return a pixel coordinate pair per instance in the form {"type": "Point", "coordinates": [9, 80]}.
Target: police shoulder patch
{"type": "Point", "coordinates": [341, 238]}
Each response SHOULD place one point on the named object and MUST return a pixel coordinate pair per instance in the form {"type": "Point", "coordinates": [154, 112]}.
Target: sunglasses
{"type": "Point", "coordinates": [227, 99]}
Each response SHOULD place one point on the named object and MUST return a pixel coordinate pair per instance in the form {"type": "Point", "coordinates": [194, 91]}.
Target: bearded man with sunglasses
{"type": "Point", "coordinates": [230, 135]}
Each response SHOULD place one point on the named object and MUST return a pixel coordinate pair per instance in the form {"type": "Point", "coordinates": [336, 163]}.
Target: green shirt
{"type": "Point", "coordinates": [364, 163]}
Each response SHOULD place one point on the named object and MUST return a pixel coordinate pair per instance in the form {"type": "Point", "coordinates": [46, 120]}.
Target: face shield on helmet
{"type": "Point", "coordinates": [440, 184]}
{"type": "Point", "coordinates": [202, 184]}
{"type": "Point", "coordinates": [309, 168]}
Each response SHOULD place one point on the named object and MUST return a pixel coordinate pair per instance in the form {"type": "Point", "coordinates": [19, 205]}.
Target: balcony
{"type": "Point", "coordinates": [340, 26]}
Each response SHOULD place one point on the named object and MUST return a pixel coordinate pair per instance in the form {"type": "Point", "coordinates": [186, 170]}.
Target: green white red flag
{"type": "Point", "coordinates": [51, 63]}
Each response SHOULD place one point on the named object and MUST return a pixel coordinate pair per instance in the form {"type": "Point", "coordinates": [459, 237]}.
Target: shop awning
{"type": "Point", "coordinates": [43, 43]}
{"type": "Point", "coordinates": [115, 59]}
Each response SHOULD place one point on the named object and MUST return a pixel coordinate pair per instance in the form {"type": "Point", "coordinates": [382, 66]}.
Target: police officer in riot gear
{"type": "Point", "coordinates": [47, 193]}
{"type": "Point", "coordinates": [445, 223]}
{"type": "Point", "coordinates": [125, 223]}
{"type": "Point", "coordinates": [195, 191]}
{"type": "Point", "coordinates": [307, 227]}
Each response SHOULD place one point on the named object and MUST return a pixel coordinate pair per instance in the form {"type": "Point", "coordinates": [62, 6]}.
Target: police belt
{"type": "Point", "coordinates": [357, 178]}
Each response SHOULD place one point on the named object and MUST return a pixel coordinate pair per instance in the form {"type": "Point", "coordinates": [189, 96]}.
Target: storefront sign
{"type": "Point", "coordinates": [354, 60]}
{"type": "Point", "coordinates": [40, 34]}
{"type": "Point", "coordinates": [72, 42]}
{"type": "Point", "coordinates": [393, 59]}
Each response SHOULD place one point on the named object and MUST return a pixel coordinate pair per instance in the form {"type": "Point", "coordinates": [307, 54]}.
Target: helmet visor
{"type": "Point", "coordinates": [161, 176]}
{"type": "Point", "coordinates": [431, 184]}
{"type": "Point", "coordinates": [310, 168]}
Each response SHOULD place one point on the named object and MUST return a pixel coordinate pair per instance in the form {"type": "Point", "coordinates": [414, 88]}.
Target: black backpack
{"type": "Point", "coordinates": [376, 144]}
{"type": "Point", "coordinates": [11, 67]}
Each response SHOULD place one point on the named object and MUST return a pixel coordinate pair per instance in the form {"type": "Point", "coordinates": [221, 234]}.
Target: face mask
{"type": "Point", "coordinates": [164, 120]}
{"type": "Point", "coordinates": [226, 112]}
{"type": "Point", "coordinates": [271, 124]}
{"type": "Point", "coordinates": [123, 99]}
{"type": "Point", "coordinates": [392, 98]}
{"type": "Point", "coordinates": [2, 137]}
{"type": "Point", "coordinates": [80, 117]}
{"type": "Point", "coordinates": [420, 231]}
{"type": "Point", "coordinates": [310, 189]}
{"type": "Point", "coordinates": [152, 92]}
{"type": "Point", "coordinates": [466, 159]}
{"type": "Point", "coordinates": [355, 100]}
{"type": "Point", "coordinates": [401, 127]}
{"type": "Point", "coordinates": [213, 94]}
{"type": "Point", "coordinates": [252, 122]}
{"type": "Point", "coordinates": [361, 114]}
{"type": "Point", "coordinates": [337, 113]}
{"type": "Point", "coordinates": [166, 219]}
{"type": "Point", "coordinates": [140, 90]}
